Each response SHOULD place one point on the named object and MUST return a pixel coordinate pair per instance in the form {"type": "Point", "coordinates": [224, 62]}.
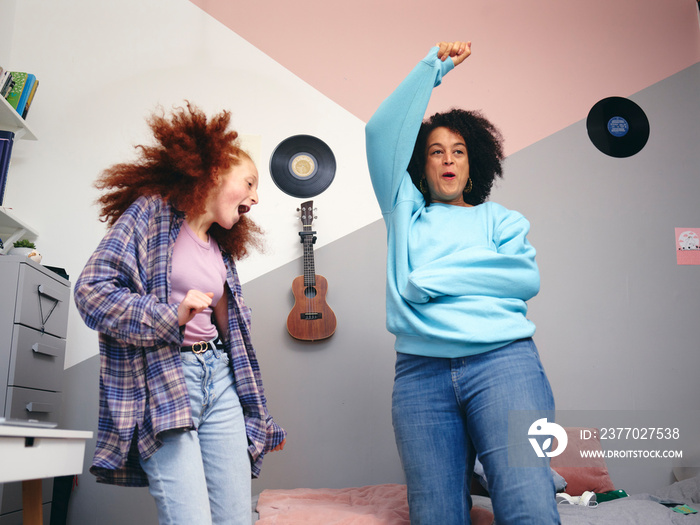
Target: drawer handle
{"type": "Point", "coordinates": [45, 349]}
{"type": "Point", "coordinates": [39, 407]}
{"type": "Point", "coordinates": [45, 290]}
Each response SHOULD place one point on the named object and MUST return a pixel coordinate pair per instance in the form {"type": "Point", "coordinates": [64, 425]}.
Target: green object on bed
{"type": "Point", "coordinates": [684, 509]}
{"type": "Point", "coordinates": [611, 495]}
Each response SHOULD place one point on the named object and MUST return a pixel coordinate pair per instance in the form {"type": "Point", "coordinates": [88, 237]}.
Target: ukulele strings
{"type": "Point", "coordinates": [308, 261]}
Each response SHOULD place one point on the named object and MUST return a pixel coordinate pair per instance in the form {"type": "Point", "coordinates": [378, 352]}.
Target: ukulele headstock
{"type": "Point", "coordinates": [306, 213]}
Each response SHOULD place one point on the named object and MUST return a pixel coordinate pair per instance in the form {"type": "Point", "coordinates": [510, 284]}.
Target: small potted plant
{"type": "Point", "coordinates": [26, 248]}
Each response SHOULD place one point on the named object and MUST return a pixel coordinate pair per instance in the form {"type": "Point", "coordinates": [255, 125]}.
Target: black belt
{"type": "Point", "coordinates": [200, 347]}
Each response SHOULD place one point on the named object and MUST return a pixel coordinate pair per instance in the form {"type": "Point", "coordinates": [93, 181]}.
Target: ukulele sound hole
{"type": "Point", "coordinates": [310, 292]}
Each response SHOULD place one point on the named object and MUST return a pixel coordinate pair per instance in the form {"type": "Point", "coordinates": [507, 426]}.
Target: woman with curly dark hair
{"type": "Point", "coordinates": [182, 407]}
{"type": "Point", "coordinates": [482, 140]}
{"type": "Point", "coordinates": [459, 273]}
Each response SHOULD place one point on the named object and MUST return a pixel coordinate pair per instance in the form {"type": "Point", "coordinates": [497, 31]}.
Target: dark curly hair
{"type": "Point", "coordinates": [182, 167]}
{"type": "Point", "coordinates": [484, 150]}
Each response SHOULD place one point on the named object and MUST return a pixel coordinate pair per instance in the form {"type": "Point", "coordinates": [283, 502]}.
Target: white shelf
{"type": "Point", "coordinates": [10, 120]}
{"type": "Point", "coordinates": [12, 229]}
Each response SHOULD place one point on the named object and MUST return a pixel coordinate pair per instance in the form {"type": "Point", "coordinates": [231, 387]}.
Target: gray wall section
{"type": "Point", "coordinates": [334, 396]}
{"type": "Point", "coordinates": [616, 317]}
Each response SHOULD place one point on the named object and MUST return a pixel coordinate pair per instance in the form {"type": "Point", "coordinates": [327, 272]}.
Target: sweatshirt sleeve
{"type": "Point", "coordinates": [110, 294]}
{"type": "Point", "coordinates": [509, 271]}
{"type": "Point", "coordinates": [391, 132]}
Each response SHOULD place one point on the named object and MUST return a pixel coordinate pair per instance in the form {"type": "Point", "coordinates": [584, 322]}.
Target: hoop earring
{"type": "Point", "coordinates": [469, 187]}
{"type": "Point", "coordinates": [423, 186]}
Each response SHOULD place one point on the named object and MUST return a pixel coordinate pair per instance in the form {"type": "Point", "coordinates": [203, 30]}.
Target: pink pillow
{"type": "Point", "coordinates": [582, 474]}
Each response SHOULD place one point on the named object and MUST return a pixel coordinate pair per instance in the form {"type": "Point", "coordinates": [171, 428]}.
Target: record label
{"type": "Point", "coordinates": [302, 166]}
{"type": "Point", "coordinates": [618, 127]}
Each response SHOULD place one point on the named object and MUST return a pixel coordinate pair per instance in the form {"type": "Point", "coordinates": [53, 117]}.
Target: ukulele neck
{"type": "Point", "coordinates": [308, 238]}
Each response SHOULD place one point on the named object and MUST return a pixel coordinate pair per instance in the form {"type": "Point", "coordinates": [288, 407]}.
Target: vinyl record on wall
{"type": "Point", "coordinates": [302, 166]}
{"type": "Point", "coordinates": [618, 127]}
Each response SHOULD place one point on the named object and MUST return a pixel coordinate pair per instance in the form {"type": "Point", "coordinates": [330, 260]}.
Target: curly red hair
{"type": "Point", "coordinates": [181, 167]}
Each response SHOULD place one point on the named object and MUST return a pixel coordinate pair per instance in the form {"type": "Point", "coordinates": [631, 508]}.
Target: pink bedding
{"type": "Point", "coordinates": [370, 505]}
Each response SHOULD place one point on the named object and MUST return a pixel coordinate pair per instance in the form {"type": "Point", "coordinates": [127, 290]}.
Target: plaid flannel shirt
{"type": "Point", "coordinates": [123, 294]}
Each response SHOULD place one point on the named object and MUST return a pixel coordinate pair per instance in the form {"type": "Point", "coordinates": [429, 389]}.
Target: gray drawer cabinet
{"type": "Point", "coordinates": [33, 324]}
{"type": "Point", "coordinates": [34, 305]}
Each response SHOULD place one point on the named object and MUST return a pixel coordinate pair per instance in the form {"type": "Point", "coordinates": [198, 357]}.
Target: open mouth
{"type": "Point", "coordinates": [448, 175]}
{"type": "Point", "coordinates": [243, 209]}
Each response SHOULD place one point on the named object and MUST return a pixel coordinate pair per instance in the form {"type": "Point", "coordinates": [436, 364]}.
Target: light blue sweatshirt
{"type": "Point", "coordinates": [458, 278]}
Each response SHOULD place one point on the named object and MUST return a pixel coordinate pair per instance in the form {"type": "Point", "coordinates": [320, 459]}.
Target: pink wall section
{"type": "Point", "coordinates": [537, 66]}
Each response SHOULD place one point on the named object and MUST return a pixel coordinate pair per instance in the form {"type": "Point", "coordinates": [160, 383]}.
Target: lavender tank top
{"type": "Point", "coordinates": [197, 265]}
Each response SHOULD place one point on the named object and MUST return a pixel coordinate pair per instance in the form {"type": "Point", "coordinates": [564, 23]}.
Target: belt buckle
{"type": "Point", "coordinates": [200, 347]}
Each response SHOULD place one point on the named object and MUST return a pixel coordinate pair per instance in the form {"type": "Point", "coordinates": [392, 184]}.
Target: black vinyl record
{"type": "Point", "coordinates": [302, 166]}
{"type": "Point", "coordinates": [618, 127]}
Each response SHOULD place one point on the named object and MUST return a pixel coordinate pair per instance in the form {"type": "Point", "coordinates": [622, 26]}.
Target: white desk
{"type": "Point", "coordinates": [30, 454]}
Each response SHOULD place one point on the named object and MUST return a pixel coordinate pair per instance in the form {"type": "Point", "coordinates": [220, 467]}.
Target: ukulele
{"type": "Point", "coordinates": [311, 319]}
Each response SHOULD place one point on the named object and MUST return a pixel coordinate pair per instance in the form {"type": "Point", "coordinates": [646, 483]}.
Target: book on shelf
{"type": "Point", "coordinates": [6, 83]}
{"type": "Point", "coordinates": [6, 142]}
{"type": "Point", "coordinates": [18, 88]}
{"type": "Point", "coordinates": [29, 100]}
{"type": "Point", "coordinates": [28, 86]}
{"type": "Point", "coordinates": [15, 94]}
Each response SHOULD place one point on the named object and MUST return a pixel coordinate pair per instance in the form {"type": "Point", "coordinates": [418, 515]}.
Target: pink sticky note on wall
{"type": "Point", "coordinates": [688, 245]}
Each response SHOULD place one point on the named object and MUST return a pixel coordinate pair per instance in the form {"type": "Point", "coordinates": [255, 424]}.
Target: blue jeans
{"type": "Point", "coordinates": [203, 476]}
{"type": "Point", "coordinates": [446, 411]}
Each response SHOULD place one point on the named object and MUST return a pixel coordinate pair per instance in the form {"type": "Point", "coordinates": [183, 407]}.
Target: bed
{"type": "Point", "coordinates": [386, 504]}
